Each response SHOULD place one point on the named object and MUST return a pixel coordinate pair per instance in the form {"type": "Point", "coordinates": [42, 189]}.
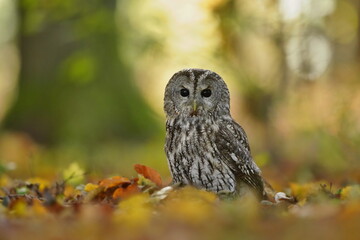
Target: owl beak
{"type": "Point", "coordinates": [194, 106]}
{"type": "Point", "coordinates": [194, 111]}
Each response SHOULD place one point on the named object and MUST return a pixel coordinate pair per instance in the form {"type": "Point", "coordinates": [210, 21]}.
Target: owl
{"type": "Point", "coordinates": [204, 146]}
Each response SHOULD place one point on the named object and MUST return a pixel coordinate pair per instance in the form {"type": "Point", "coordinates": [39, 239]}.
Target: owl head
{"type": "Point", "coordinates": [196, 93]}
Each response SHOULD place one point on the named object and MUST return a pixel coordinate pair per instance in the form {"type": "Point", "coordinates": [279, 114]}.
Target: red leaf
{"type": "Point", "coordinates": [126, 192]}
{"type": "Point", "coordinates": [149, 173]}
{"type": "Point", "coordinates": [113, 182]}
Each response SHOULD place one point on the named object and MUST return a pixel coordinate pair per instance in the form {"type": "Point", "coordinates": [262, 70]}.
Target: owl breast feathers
{"type": "Point", "coordinates": [204, 146]}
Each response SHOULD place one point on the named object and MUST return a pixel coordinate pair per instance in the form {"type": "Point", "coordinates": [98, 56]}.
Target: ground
{"type": "Point", "coordinates": [144, 208]}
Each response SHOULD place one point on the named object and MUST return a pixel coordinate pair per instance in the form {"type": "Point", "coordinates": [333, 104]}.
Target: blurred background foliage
{"type": "Point", "coordinates": [83, 81]}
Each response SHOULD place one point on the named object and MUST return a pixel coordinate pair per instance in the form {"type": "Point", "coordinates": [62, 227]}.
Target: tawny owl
{"type": "Point", "coordinates": [204, 146]}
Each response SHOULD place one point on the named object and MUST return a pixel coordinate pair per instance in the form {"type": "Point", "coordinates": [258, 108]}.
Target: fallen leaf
{"type": "Point", "coordinates": [43, 183]}
{"type": "Point", "coordinates": [93, 194]}
{"type": "Point", "coordinates": [38, 208]}
{"type": "Point", "coordinates": [113, 182]}
{"type": "Point", "coordinates": [302, 191]}
{"type": "Point", "coordinates": [5, 180]}
{"type": "Point", "coordinates": [350, 192]}
{"type": "Point", "coordinates": [145, 183]}
{"type": "Point", "coordinates": [149, 173]}
{"type": "Point", "coordinates": [19, 207]}
{"type": "Point", "coordinates": [134, 211]}
{"type": "Point", "coordinates": [69, 191]}
{"type": "Point", "coordinates": [74, 174]}
{"type": "Point", "coordinates": [90, 186]}
{"type": "Point", "coordinates": [126, 192]}
{"type": "Point", "coordinates": [189, 204]}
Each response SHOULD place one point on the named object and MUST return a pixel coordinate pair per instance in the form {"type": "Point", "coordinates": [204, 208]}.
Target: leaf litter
{"type": "Point", "coordinates": [144, 208]}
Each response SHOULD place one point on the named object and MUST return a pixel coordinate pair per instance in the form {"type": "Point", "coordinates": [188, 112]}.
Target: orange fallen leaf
{"type": "Point", "coordinates": [149, 173]}
{"type": "Point", "coordinates": [39, 208]}
{"type": "Point", "coordinates": [113, 182]}
{"type": "Point", "coordinates": [126, 192]}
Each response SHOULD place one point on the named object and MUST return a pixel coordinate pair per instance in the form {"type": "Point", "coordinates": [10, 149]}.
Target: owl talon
{"type": "Point", "coordinates": [227, 195]}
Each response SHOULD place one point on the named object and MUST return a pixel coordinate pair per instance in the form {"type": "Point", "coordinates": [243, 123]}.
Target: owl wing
{"type": "Point", "coordinates": [231, 141]}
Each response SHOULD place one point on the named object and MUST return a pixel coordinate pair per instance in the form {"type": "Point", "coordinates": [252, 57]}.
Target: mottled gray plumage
{"type": "Point", "coordinates": [205, 147]}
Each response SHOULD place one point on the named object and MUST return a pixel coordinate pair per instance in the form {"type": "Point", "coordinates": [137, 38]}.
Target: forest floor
{"type": "Point", "coordinates": [144, 208]}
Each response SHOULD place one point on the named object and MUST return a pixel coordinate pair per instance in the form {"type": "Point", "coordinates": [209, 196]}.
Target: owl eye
{"type": "Point", "coordinates": [206, 93]}
{"type": "Point", "coordinates": [184, 92]}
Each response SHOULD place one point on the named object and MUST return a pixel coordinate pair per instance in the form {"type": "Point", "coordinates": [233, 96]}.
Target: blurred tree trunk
{"type": "Point", "coordinates": [73, 84]}
{"type": "Point", "coordinates": [9, 58]}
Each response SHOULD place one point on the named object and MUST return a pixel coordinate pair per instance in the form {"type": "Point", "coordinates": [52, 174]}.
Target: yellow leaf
{"type": "Point", "coordinates": [90, 186]}
{"type": "Point", "coordinates": [19, 208]}
{"type": "Point", "coordinates": [190, 205]}
{"type": "Point", "coordinates": [134, 211]}
{"type": "Point", "coordinates": [350, 192]}
{"type": "Point", "coordinates": [70, 191]}
{"type": "Point", "coordinates": [303, 191]}
{"type": "Point", "coordinates": [4, 180]}
{"type": "Point", "coordinates": [74, 175]}
{"type": "Point", "coordinates": [43, 183]}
